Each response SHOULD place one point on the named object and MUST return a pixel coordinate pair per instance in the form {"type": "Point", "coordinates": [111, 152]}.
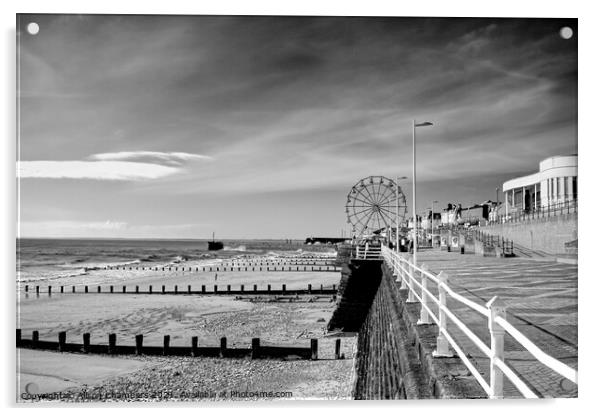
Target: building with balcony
{"type": "Point", "coordinates": [555, 184]}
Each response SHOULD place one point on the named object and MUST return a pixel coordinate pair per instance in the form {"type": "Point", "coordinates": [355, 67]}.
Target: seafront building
{"type": "Point", "coordinates": [555, 184]}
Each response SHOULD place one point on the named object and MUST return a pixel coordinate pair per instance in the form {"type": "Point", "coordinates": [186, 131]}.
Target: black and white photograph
{"type": "Point", "coordinates": [263, 208]}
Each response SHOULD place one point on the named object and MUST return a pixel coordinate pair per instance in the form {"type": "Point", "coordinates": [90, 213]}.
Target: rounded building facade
{"type": "Point", "coordinates": [555, 184]}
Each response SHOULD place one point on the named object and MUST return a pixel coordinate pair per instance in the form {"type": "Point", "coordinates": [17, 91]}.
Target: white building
{"type": "Point", "coordinates": [555, 183]}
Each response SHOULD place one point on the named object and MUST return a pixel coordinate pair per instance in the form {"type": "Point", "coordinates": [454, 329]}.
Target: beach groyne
{"type": "Point", "coordinates": [184, 290]}
{"type": "Point", "coordinates": [254, 351]}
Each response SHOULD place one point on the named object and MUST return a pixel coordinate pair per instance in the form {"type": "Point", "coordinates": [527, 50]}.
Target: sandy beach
{"type": "Point", "coordinates": [209, 317]}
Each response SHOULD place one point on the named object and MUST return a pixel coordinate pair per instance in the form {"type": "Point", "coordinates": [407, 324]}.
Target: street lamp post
{"type": "Point", "coordinates": [433, 224]}
{"type": "Point", "coordinates": [497, 202]}
{"type": "Point", "coordinates": [415, 240]}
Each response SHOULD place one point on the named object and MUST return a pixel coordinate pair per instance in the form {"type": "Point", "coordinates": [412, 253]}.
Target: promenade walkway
{"type": "Point", "coordinates": [542, 304]}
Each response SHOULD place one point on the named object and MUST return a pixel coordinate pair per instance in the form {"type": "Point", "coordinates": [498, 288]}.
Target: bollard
{"type": "Point", "coordinates": [35, 337]}
{"type": "Point", "coordinates": [284, 289]}
{"type": "Point", "coordinates": [228, 289]}
{"type": "Point", "coordinates": [123, 289]}
{"type": "Point", "coordinates": [18, 337]}
{"type": "Point", "coordinates": [195, 344]}
{"type": "Point", "coordinates": [448, 249]}
{"type": "Point", "coordinates": [112, 343]}
{"type": "Point", "coordinates": [309, 288]}
{"type": "Point", "coordinates": [72, 289]}
{"type": "Point", "coordinates": [166, 345]}
{"type": "Point", "coordinates": [254, 288]}
{"type": "Point", "coordinates": [497, 308]}
{"type": "Point", "coordinates": [49, 290]}
{"type": "Point", "coordinates": [150, 289]}
{"type": "Point", "coordinates": [139, 340]}
{"type": "Point", "coordinates": [214, 288]}
{"type": "Point", "coordinates": [137, 289]}
{"type": "Point", "coordinates": [242, 288]}
{"type": "Point", "coordinates": [163, 289]}
{"type": "Point", "coordinates": [189, 289]}
{"type": "Point", "coordinates": [86, 348]}
{"type": "Point", "coordinates": [321, 288]}
{"type": "Point", "coordinates": [314, 349]}
{"type": "Point", "coordinates": [37, 290]}
{"type": "Point", "coordinates": [62, 341]}
{"type": "Point", "coordinates": [223, 346]}
{"type": "Point", "coordinates": [203, 289]}
{"type": "Point", "coordinates": [442, 343]}
{"type": "Point", "coordinates": [26, 288]}
{"type": "Point", "coordinates": [111, 289]}
{"type": "Point", "coordinates": [255, 348]}
{"type": "Point", "coordinates": [337, 349]}
{"type": "Point", "coordinates": [269, 288]}
{"type": "Point", "coordinates": [425, 318]}
{"type": "Point", "coordinates": [86, 289]}
{"type": "Point", "coordinates": [175, 289]}
{"type": "Point", "coordinates": [462, 250]}
{"type": "Point", "coordinates": [98, 290]}
{"type": "Point", "coordinates": [334, 288]}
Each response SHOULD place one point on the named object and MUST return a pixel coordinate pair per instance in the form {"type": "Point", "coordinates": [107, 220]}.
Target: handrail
{"type": "Point", "coordinates": [495, 311]}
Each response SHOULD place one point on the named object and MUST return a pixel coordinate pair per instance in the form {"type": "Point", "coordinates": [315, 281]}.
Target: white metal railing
{"type": "Point", "coordinates": [366, 252]}
{"type": "Point", "coordinates": [494, 311]}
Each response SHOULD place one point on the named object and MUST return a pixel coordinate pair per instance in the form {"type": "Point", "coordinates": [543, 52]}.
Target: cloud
{"type": "Point", "coordinates": [169, 158]}
{"type": "Point", "coordinates": [101, 170]}
{"type": "Point", "coordinates": [109, 228]}
{"type": "Point", "coordinates": [118, 166]}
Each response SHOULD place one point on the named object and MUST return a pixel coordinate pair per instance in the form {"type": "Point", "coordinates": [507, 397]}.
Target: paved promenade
{"type": "Point", "coordinates": [542, 304]}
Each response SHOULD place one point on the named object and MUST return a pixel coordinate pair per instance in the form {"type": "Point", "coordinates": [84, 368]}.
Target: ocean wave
{"type": "Point", "coordinates": [54, 276]}
{"type": "Point", "coordinates": [239, 248]}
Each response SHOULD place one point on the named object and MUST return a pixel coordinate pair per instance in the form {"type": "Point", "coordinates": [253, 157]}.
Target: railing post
{"type": "Point", "coordinates": [404, 267]}
{"type": "Point", "coordinates": [412, 275]}
{"type": "Point", "coordinates": [442, 343]}
{"type": "Point", "coordinates": [497, 307]}
{"type": "Point", "coordinates": [425, 318]}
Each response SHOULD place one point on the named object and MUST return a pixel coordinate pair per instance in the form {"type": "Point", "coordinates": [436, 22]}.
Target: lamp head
{"type": "Point", "coordinates": [423, 124]}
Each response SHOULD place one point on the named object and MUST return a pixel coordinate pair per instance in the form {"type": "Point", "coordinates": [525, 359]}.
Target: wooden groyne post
{"type": "Point", "coordinates": [314, 348]}
{"type": "Point", "coordinates": [255, 347]}
{"type": "Point", "coordinates": [139, 341]}
{"type": "Point", "coordinates": [62, 341]}
{"type": "Point", "coordinates": [86, 339]}
{"type": "Point", "coordinates": [223, 346]}
{"type": "Point", "coordinates": [112, 343]}
{"type": "Point", "coordinates": [166, 345]}
{"type": "Point", "coordinates": [195, 344]}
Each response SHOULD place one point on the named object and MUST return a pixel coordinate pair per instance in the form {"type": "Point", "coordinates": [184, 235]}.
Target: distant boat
{"type": "Point", "coordinates": [215, 245]}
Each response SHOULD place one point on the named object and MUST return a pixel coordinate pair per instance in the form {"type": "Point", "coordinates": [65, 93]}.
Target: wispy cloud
{"type": "Point", "coordinates": [169, 158]}
{"type": "Point", "coordinates": [101, 170]}
{"type": "Point", "coordinates": [109, 228]}
{"type": "Point", "coordinates": [118, 166]}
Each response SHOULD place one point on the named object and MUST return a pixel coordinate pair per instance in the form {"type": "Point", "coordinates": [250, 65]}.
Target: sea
{"type": "Point", "coordinates": [49, 259]}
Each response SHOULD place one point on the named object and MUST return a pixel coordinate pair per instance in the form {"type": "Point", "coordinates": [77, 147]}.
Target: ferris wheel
{"type": "Point", "coordinates": [374, 203]}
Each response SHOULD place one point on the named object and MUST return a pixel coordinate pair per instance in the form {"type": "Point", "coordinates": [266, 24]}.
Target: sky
{"type": "Point", "coordinates": [257, 127]}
